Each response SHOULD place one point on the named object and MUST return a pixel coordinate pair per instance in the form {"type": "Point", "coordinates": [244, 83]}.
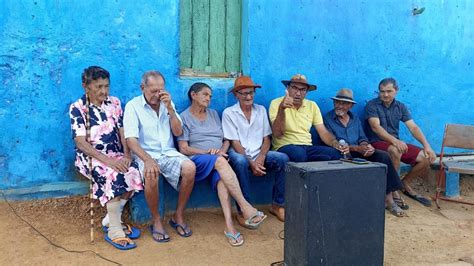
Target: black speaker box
{"type": "Point", "coordinates": [334, 213]}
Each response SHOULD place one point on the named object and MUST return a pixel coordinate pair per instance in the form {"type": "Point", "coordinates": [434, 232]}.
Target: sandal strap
{"type": "Point", "coordinates": [231, 235]}
{"type": "Point", "coordinates": [396, 210]}
{"type": "Point", "coordinates": [127, 227]}
{"type": "Point", "coordinates": [118, 239]}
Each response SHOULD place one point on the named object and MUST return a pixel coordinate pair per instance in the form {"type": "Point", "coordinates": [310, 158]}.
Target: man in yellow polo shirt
{"type": "Point", "coordinates": [292, 117]}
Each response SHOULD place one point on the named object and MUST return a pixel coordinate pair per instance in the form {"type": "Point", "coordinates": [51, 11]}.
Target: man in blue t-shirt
{"type": "Point", "coordinates": [384, 115]}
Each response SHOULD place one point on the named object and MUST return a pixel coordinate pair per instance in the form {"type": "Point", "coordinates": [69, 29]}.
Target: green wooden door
{"type": "Point", "coordinates": [210, 32]}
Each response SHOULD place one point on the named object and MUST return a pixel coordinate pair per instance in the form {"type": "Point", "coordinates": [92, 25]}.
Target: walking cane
{"type": "Point", "coordinates": [88, 139]}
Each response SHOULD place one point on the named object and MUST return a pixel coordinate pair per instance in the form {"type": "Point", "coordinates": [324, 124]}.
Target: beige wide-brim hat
{"type": "Point", "coordinates": [301, 79]}
{"type": "Point", "coordinates": [344, 95]}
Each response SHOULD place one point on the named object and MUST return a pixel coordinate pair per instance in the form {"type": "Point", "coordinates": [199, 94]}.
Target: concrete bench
{"type": "Point", "coordinates": [202, 197]}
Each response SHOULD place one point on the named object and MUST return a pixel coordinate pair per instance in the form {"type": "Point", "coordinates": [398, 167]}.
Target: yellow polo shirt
{"type": "Point", "coordinates": [298, 123]}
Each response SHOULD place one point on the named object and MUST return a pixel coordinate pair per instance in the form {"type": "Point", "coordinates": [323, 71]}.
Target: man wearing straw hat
{"type": "Point", "coordinates": [246, 126]}
{"type": "Point", "coordinates": [346, 125]}
{"type": "Point", "coordinates": [292, 117]}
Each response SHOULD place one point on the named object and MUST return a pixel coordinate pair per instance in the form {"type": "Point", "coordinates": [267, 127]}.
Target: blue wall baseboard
{"type": "Point", "coordinates": [55, 190]}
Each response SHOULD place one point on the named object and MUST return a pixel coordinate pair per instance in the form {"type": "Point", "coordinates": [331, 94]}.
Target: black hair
{"type": "Point", "coordinates": [386, 81]}
{"type": "Point", "coordinates": [94, 73]}
{"type": "Point", "coordinates": [197, 87]}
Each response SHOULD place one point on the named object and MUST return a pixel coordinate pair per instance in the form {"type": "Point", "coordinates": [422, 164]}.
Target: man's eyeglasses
{"type": "Point", "coordinates": [245, 94]}
{"type": "Point", "coordinates": [301, 90]}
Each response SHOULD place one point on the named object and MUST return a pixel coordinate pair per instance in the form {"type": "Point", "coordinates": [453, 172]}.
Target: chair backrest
{"type": "Point", "coordinates": [459, 136]}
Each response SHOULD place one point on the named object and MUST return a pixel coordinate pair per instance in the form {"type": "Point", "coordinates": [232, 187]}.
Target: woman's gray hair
{"type": "Point", "coordinates": [197, 87]}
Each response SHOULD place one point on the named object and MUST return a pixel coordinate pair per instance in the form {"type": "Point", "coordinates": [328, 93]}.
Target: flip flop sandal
{"type": "Point", "coordinates": [116, 242]}
{"type": "Point", "coordinates": [185, 228]}
{"type": "Point", "coordinates": [130, 231]}
{"type": "Point", "coordinates": [401, 203]}
{"type": "Point", "coordinates": [426, 202]}
{"type": "Point", "coordinates": [254, 225]}
{"type": "Point", "coordinates": [164, 237]}
{"type": "Point", "coordinates": [233, 239]}
{"type": "Point", "coordinates": [395, 210]}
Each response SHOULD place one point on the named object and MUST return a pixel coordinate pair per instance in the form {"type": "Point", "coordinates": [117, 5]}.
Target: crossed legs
{"type": "Point", "coordinates": [229, 180]}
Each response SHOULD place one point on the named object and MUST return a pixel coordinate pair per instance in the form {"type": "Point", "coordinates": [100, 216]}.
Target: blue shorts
{"type": "Point", "coordinates": [205, 168]}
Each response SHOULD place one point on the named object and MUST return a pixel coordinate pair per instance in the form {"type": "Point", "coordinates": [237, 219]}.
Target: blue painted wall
{"type": "Point", "coordinates": [342, 43]}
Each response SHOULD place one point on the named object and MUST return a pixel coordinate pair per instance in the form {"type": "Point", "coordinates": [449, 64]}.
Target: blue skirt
{"type": "Point", "coordinates": [205, 168]}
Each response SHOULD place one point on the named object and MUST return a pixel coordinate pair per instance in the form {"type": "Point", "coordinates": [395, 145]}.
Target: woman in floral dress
{"type": "Point", "coordinates": [115, 177]}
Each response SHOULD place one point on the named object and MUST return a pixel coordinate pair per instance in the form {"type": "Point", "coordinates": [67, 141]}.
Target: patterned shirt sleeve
{"type": "Point", "coordinates": [78, 126]}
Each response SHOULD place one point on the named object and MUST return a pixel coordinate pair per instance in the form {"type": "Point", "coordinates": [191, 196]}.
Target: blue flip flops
{"type": "Point", "coordinates": [184, 228]}
{"type": "Point", "coordinates": [165, 237]}
{"type": "Point", "coordinates": [130, 231]}
{"type": "Point", "coordinates": [233, 239]}
{"type": "Point", "coordinates": [115, 242]}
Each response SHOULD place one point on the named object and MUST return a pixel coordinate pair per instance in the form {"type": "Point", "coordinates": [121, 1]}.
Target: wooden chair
{"type": "Point", "coordinates": [455, 136]}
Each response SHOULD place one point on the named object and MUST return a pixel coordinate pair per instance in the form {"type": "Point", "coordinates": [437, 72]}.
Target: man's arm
{"type": "Point", "coordinates": [374, 123]}
{"type": "Point", "coordinates": [176, 126]}
{"type": "Point", "coordinates": [175, 123]}
{"type": "Point", "coordinates": [237, 146]}
{"type": "Point", "coordinates": [225, 147]}
{"type": "Point", "coordinates": [418, 135]}
{"type": "Point", "coordinates": [328, 138]}
{"type": "Point", "coordinates": [257, 167]}
{"type": "Point", "coordinates": [278, 124]}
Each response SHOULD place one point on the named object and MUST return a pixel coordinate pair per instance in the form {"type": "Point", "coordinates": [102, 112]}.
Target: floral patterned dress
{"type": "Point", "coordinates": [105, 121]}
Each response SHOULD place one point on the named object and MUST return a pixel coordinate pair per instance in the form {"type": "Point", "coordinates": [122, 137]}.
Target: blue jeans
{"type": "Point", "coordinates": [274, 162]}
{"type": "Point", "coordinates": [309, 153]}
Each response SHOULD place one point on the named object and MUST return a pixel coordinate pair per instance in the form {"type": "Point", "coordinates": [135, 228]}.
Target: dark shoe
{"type": "Point", "coordinates": [418, 198]}
{"type": "Point", "coordinates": [395, 210]}
{"type": "Point", "coordinates": [401, 203]}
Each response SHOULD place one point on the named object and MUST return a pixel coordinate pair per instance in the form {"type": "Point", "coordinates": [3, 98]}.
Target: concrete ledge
{"type": "Point", "coordinates": [202, 197]}
{"type": "Point", "coordinates": [55, 190]}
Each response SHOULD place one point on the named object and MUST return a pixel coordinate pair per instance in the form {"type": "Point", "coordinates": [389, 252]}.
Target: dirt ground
{"type": "Point", "coordinates": [428, 236]}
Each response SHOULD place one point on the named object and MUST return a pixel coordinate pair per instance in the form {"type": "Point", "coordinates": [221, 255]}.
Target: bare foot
{"type": "Point", "coordinates": [278, 211]}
